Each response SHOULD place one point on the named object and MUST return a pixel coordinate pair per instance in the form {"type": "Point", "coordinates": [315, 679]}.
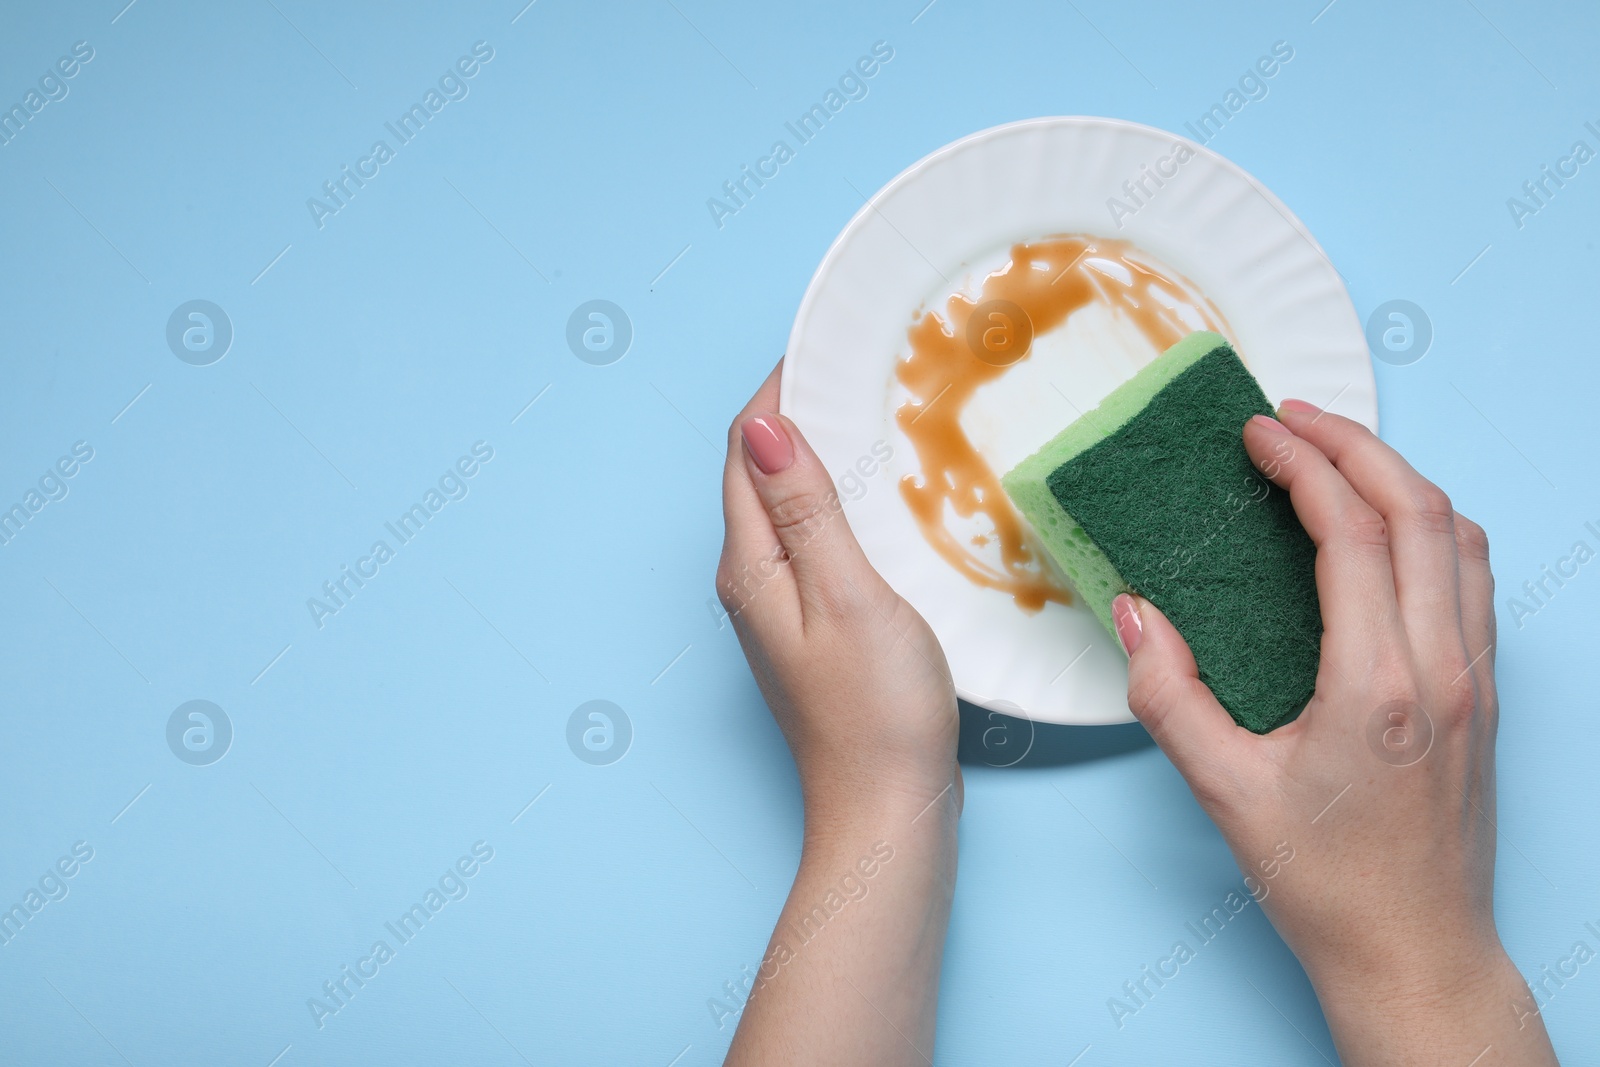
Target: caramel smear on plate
{"type": "Point", "coordinates": [975, 342]}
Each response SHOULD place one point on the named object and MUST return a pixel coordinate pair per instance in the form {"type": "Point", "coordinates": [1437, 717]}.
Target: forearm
{"type": "Point", "coordinates": [851, 974]}
{"type": "Point", "coordinates": [1477, 1011]}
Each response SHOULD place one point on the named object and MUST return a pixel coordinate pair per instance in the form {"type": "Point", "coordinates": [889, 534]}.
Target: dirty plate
{"type": "Point", "coordinates": [939, 229]}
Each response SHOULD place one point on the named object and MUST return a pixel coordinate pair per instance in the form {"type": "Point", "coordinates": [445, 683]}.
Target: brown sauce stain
{"type": "Point", "coordinates": [975, 342]}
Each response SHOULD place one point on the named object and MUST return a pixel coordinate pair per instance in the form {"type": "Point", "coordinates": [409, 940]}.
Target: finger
{"type": "Point", "coordinates": [803, 510]}
{"type": "Point", "coordinates": [1421, 525]}
{"type": "Point", "coordinates": [1165, 693]}
{"type": "Point", "coordinates": [751, 554]}
{"type": "Point", "coordinates": [1477, 606]}
{"type": "Point", "coordinates": [1355, 584]}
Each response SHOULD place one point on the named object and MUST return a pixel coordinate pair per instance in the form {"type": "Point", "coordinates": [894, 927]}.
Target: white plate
{"type": "Point", "coordinates": [955, 215]}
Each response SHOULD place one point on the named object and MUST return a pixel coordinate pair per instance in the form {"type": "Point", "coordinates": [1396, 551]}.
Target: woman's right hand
{"type": "Point", "coordinates": [1366, 827]}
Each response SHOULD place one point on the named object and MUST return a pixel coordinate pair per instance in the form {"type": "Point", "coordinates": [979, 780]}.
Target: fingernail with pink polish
{"type": "Point", "coordinates": [1269, 423]}
{"type": "Point", "coordinates": [1130, 629]}
{"type": "Point", "coordinates": [768, 443]}
{"type": "Point", "coordinates": [1300, 407]}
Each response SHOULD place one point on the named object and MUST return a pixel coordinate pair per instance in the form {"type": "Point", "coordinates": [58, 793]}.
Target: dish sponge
{"type": "Point", "coordinates": [1153, 492]}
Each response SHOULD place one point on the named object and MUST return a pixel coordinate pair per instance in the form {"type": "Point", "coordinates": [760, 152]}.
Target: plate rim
{"type": "Point", "coordinates": [992, 132]}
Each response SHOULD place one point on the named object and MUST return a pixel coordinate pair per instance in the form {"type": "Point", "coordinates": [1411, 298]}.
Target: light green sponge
{"type": "Point", "coordinates": [1153, 492]}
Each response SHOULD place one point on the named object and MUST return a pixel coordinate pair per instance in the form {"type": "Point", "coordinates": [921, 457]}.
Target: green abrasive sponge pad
{"type": "Point", "coordinates": [1153, 492]}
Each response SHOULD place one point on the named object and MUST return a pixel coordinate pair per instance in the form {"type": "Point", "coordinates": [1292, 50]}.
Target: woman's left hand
{"type": "Point", "coordinates": [861, 690]}
{"type": "Point", "coordinates": [854, 676]}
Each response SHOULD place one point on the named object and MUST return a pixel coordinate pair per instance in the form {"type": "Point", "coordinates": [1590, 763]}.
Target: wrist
{"type": "Point", "coordinates": [1425, 969]}
{"type": "Point", "coordinates": [1452, 1002]}
{"type": "Point", "coordinates": [916, 824]}
{"type": "Point", "coordinates": [842, 810]}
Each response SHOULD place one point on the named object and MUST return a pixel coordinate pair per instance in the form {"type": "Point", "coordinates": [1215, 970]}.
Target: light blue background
{"type": "Point", "coordinates": [427, 713]}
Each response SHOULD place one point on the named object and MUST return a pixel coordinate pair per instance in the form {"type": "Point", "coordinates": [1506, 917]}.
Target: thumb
{"type": "Point", "coordinates": [803, 507]}
{"type": "Point", "coordinates": [1165, 692]}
